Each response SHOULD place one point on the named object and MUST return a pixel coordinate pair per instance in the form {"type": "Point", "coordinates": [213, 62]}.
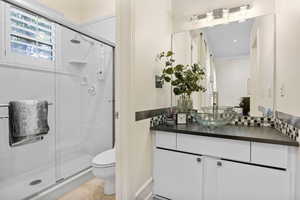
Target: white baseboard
{"type": "Point", "coordinates": [149, 197]}
{"type": "Point", "coordinates": [145, 192]}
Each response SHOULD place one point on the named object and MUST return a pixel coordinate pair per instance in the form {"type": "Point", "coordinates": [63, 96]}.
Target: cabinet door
{"type": "Point", "coordinates": [210, 179]}
{"type": "Point", "coordinates": [247, 182]}
{"type": "Point", "coordinates": [177, 176]}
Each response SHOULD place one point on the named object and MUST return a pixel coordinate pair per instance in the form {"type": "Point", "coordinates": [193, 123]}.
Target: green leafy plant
{"type": "Point", "coordinates": [185, 79]}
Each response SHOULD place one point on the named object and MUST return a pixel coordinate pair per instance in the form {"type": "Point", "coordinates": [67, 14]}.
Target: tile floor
{"type": "Point", "coordinates": [91, 190]}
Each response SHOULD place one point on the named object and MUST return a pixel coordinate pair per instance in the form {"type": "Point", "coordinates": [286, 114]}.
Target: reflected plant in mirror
{"type": "Point", "coordinates": [185, 79]}
{"type": "Point", "coordinates": [245, 105]}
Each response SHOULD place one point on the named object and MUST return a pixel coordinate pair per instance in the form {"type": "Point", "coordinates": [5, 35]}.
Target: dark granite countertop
{"type": "Point", "coordinates": [253, 134]}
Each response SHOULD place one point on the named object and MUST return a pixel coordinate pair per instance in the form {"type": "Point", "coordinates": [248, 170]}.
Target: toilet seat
{"type": "Point", "coordinates": [105, 159]}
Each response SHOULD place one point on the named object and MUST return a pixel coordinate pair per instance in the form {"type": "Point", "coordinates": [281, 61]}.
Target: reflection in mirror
{"type": "Point", "coordinates": [239, 61]}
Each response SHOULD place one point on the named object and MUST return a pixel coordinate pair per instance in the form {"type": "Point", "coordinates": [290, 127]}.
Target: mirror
{"type": "Point", "coordinates": [238, 59]}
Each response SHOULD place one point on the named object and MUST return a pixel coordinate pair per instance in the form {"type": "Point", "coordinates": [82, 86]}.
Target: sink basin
{"type": "Point", "coordinates": [211, 118]}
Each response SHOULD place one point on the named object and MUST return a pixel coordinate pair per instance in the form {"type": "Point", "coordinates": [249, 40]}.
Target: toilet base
{"type": "Point", "coordinates": [109, 187]}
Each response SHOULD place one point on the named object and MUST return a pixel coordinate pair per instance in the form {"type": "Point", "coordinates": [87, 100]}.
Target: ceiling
{"type": "Point", "coordinates": [229, 40]}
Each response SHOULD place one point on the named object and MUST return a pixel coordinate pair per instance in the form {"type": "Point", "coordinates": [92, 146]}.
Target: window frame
{"type": "Point", "coordinates": [25, 60]}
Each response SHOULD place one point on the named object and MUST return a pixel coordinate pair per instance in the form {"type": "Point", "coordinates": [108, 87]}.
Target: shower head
{"type": "Point", "coordinates": [79, 38]}
{"type": "Point", "coordinates": [75, 40]}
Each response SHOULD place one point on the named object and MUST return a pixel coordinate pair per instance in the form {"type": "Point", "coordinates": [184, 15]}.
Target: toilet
{"type": "Point", "coordinates": [104, 168]}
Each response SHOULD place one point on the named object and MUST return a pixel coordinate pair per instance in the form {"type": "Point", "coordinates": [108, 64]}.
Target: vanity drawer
{"type": "Point", "coordinates": [269, 154]}
{"type": "Point", "coordinates": [165, 140]}
{"type": "Point", "coordinates": [221, 148]}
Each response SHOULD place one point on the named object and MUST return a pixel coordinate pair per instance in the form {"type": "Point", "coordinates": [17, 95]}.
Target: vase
{"type": "Point", "coordinates": [184, 104]}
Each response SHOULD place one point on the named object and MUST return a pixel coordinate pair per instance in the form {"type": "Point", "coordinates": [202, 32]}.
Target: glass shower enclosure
{"type": "Point", "coordinates": [79, 86]}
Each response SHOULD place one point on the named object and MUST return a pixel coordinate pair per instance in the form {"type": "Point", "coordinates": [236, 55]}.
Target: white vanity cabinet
{"type": "Point", "coordinates": [230, 149]}
{"type": "Point", "coordinates": [178, 176]}
{"type": "Point", "coordinates": [238, 181]}
{"type": "Point", "coordinates": [191, 169]}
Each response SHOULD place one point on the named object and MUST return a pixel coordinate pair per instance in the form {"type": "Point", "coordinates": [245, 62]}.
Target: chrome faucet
{"type": "Point", "coordinates": [215, 104]}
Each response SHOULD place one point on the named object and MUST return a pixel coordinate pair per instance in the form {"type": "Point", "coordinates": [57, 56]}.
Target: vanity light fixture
{"type": "Point", "coordinates": [223, 13]}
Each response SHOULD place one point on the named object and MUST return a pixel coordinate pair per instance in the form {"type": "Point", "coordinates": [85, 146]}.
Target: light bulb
{"type": "Point", "coordinates": [193, 18]}
{"type": "Point", "coordinates": [209, 16]}
{"type": "Point", "coordinates": [225, 15]}
{"type": "Point", "coordinates": [225, 12]}
{"type": "Point", "coordinates": [243, 13]}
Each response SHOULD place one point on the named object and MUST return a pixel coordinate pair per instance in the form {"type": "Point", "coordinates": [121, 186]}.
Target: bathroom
{"type": "Point", "coordinates": [113, 125]}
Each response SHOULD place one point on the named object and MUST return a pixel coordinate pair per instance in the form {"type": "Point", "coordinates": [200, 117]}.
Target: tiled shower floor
{"type": "Point", "coordinates": [91, 190]}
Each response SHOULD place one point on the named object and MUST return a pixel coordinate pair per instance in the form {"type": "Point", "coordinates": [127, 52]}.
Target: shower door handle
{"type": "Point", "coordinates": [117, 115]}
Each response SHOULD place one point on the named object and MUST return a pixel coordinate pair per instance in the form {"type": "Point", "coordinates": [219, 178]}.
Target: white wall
{"type": "Point", "coordinates": [105, 28]}
{"type": "Point", "coordinates": [287, 63]}
{"type": "Point", "coordinates": [181, 44]}
{"type": "Point", "coordinates": [71, 11]}
{"type": "Point", "coordinates": [144, 31]}
{"type": "Point", "coordinates": [232, 79]}
{"type": "Point", "coordinates": [94, 9]}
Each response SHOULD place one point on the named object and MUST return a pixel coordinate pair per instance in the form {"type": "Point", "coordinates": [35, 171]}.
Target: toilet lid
{"type": "Point", "coordinates": [106, 158]}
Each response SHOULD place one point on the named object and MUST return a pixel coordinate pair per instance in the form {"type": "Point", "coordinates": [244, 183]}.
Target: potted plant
{"type": "Point", "coordinates": [185, 79]}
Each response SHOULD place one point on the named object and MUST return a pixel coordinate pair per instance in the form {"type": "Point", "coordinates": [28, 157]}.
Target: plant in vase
{"type": "Point", "coordinates": [185, 79]}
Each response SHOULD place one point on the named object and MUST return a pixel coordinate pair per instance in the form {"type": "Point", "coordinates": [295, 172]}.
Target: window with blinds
{"type": "Point", "coordinates": [31, 35]}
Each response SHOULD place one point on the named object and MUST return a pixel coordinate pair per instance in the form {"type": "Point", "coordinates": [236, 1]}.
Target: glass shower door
{"type": "Point", "coordinates": [84, 99]}
{"type": "Point", "coordinates": [30, 168]}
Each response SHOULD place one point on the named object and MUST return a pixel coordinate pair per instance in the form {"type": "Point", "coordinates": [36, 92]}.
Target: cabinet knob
{"type": "Point", "coordinates": [199, 160]}
{"type": "Point", "coordinates": [219, 163]}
